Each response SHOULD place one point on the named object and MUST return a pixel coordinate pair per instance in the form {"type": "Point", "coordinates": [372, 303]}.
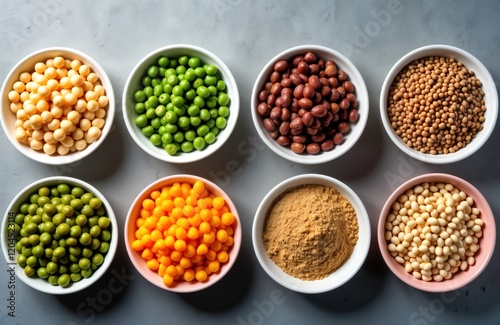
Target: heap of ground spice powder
{"type": "Point", "coordinates": [310, 231]}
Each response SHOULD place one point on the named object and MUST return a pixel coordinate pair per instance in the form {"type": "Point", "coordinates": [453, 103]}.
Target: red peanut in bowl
{"type": "Point", "coordinates": [319, 132]}
{"type": "Point", "coordinates": [473, 261]}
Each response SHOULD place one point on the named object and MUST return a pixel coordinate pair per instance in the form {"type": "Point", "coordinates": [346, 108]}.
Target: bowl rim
{"type": "Point", "coordinates": [473, 271]}
{"type": "Point", "coordinates": [191, 287]}
{"type": "Point", "coordinates": [83, 283]}
{"type": "Point", "coordinates": [70, 157]}
{"type": "Point", "coordinates": [194, 155]}
{"type": "Point", "coordinates": [478, 68]}
{"type": "Point", "coordinates": [349, 269]}
{"type": "Point", "coordinates": [361, 95]}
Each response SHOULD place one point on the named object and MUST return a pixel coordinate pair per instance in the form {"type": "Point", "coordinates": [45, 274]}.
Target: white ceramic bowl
{"type": "Point", "coordinates": [27, 64]}
{"type": "Point", "coordinates": [134, 83]}
{"type": "Point", "coordinates": [42, 284]}
{"type": "Point", "coordinates": [490, 98]}
{"type": "Point", "coordinates": [341, 275]}
{"type": "Point", "coordinates": [356, 128]}
{"type": "Point", "coordinates": [486, 243]}
{"type": "Point", "coordinates": [140, 263]}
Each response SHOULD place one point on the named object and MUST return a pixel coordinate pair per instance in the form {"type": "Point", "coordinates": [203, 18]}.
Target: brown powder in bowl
{"type": "Point", "coordinates": [310, 231]}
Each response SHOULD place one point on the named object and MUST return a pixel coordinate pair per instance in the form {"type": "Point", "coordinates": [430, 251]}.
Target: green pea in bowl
{"type": "Point", "coordinates": [180, 103]}
{"type": "Point", "coordinates": [59, 235]}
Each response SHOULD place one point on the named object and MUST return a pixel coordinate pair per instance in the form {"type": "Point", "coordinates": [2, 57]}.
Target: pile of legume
{"type": "Point", "coordinates": [183, 104]}
{"type": "Point", "coordinates": [308, 104]}
{"type": "Point", "coordinates": [184, 232]}
{"type": "Point", "coordinates": [63, 234]}
{"type": "Point", "coordinates": [434, 231]}
{"type": "Point", "coordinates": [436, 105]}
{"type": "Point", "coordinates": [60, 107]}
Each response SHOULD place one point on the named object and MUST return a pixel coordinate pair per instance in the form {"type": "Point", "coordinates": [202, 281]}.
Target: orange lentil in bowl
{"type": "Point", "coordinates": [184, 232]}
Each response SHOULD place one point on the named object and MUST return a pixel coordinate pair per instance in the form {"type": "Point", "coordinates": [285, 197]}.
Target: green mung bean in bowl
{"type": "Point", "coordinates": [60, 235]}
{"type": "Point", "coordinates": [181, 103]}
